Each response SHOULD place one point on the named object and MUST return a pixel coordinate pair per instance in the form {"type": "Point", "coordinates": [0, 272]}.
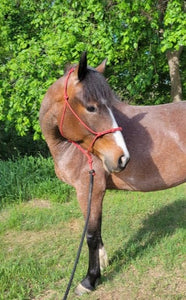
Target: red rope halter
{"type": "Point", "coordinates": [97, 134]}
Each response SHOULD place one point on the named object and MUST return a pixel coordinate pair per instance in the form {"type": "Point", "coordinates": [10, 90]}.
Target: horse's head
{"type": "Point", "coordinates": [87, 110]}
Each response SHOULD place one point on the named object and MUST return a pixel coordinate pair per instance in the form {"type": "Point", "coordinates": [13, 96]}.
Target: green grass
{"type": "Point", "coordinates": [144, 235]}
{"type": "Point", "coordinates": [28, 178]}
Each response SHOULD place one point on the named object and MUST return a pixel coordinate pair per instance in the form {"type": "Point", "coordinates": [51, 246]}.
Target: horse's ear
{"type": "Point", "coordinates": [101, 67]}
{"type": "Point", "coordinates": [82, 68]}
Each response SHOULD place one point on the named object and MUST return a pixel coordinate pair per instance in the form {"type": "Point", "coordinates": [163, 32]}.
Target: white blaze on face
{"type": "Point", "coordinates": [119, 137]}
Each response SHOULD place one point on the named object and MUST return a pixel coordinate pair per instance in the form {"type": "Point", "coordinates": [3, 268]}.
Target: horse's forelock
{"type": "Point", "coordinates": [95, 88]}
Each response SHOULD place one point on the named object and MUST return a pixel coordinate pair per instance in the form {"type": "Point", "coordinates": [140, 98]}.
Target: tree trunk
{"type": "Point", "coordinates": [173, 61]}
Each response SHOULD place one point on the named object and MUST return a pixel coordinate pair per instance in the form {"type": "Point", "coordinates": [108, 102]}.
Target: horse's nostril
{"type": "Point", "coordinates": [116, 166]}
{"type": "Point", "coordinates": [122, 161]}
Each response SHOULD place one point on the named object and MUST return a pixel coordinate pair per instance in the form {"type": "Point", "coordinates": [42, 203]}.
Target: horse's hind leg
{"type": "Point", "coordinates": [97, 253]}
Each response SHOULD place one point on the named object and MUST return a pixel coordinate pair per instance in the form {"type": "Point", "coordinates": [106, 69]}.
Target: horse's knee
{"type": "Point", "coordinates": [92, 240]}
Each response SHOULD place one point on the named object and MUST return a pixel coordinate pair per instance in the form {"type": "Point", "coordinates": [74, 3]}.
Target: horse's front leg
{"type": "Point", "coordinates": [97, 253]}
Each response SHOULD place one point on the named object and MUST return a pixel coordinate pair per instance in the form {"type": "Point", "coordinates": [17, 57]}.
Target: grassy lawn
{"type": "Point", "coordinates": [143, 234]}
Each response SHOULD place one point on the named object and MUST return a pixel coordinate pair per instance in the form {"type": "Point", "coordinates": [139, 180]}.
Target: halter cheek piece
{"type": "Point", "coordinates": [97, 134]}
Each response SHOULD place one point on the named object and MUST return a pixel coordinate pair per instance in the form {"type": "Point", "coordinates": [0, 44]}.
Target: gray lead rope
{"type": "Point", "coordinates": [92, 173]}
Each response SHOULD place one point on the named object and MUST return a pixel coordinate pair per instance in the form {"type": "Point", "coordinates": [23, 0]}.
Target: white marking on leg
{"type": "Point", "coordinates": [119, 137]}
{"type": "Point", "coordinates": [103, 258]}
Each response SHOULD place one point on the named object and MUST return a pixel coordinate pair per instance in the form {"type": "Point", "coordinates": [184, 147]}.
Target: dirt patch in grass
{"type": "Point", "coordinates": [4, 215]}
{"type": "Point", "coordinates": [25, 239]}
{"type": "Point", "coordinates": [40, 203]}
{"type": "Point", "coordinates": [156, 283]}
{"type": "Point", "coordinates": [75, 225]}
{"type": "Point", "coordinates": [48, 295]}
{"type": "Point", "coordinates": [28, 240]}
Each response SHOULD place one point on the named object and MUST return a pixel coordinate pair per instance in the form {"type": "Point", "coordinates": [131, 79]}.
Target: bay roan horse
{"type": "Point", "coordinates": [148, 154]}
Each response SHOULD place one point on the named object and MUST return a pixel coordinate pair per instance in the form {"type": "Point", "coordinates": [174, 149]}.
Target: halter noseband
{"type": "Point", "coordinates": [97, 134]}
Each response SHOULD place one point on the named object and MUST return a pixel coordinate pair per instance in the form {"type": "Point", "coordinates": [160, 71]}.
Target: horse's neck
{"type": "Point", "coordinates": [49, 115]}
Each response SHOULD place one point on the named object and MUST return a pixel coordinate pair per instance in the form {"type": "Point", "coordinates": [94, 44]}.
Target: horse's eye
{"type": "Point", "coordinates": [91, 108]}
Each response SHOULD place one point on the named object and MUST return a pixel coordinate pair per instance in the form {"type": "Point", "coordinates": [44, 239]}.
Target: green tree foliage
{"type": "Point", "coordinates": [38, 38]}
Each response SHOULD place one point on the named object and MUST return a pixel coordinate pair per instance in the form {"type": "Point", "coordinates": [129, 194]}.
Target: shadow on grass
{"type": "Point", "coordinates": [155, 227]}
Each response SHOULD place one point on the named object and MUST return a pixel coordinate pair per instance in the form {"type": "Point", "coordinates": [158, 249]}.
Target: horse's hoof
{"type": "Point", "coordinates": [80, 290]}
